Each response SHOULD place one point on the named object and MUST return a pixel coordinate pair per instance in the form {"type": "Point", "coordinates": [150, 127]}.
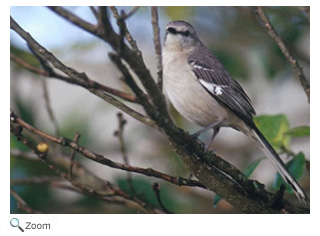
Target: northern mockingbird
{"type": "Point", "coordinates": [203, 92]}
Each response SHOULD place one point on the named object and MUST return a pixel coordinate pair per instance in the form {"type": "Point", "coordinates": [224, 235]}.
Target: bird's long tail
{"type": "Point", "coordinates": [278, 163]}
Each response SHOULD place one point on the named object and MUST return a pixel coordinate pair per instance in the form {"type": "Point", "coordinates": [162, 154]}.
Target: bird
{"type": "Point", "coordinates": [203, 92]}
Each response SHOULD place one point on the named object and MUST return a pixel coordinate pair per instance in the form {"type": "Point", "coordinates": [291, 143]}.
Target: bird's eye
{"type": "Point", "coordinates": [172, 30]}
{"type": "Point", "coordinates": [186, 33]}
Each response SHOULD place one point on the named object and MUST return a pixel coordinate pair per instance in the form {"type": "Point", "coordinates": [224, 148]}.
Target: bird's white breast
{"type": "Point", "coordinates": [185, 92]}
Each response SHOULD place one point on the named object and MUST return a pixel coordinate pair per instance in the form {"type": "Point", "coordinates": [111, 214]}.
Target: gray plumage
{"type": "Point", "coordinates": [202, 91]}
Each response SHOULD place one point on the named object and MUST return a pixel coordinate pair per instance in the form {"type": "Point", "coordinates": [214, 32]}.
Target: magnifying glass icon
{"type": "Point", "coordinates": [14, 222]}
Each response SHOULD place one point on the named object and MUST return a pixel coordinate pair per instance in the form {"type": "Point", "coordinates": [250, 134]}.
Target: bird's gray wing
{"type": "Point", "coordinates": [216, 80]}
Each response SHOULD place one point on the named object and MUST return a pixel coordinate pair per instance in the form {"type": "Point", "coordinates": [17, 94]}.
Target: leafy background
{"type": "Point", "coordinates": [239, 41]}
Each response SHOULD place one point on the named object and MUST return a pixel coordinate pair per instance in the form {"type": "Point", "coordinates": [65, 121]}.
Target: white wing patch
{"type": "Point", "coordinates": [215, 89]}
{"type": "Point", "coordinates": [194, 65]}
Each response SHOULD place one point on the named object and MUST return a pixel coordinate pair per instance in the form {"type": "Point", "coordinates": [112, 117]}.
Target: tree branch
{"type": "Point", "coordinates": [35, 180]}
{"type": "Point", "coordinates": [121, 24]}
{"type": "Point", "coordinates": [119, 133]}
{"type": "Point", "coordinates": [156, 190]}
{"type": "Point", "coordinates": [107, 191]}
{"type": "Point", "coordinates": [22, 204]}
{"type": "Point", "coordinates": [295, 65]}
{"type": "Point", "coordinates": [132, 57]}
{"type": "Point", "coordinates": [78, 78]}
{"type": "Point", "coordinates": [157, 44]}
{"type": "Point", "coordinates": [72, 155]}
{"type": "Point", "coordinates": [102, 159]}
{"type": "Point", "coordinates": [91, 84]}
{"type": "Point", "coordinates": [49, 108]}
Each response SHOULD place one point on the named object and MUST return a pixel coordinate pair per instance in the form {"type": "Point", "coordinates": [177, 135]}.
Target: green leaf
{"type": "Point", "coordinates": [216, 200]}
{"type": "Point", "coordinates": [251, 167]}
{"type": "Point", "coordinates": [300, 131]}
{"type": "Point", "coordinates": [274, 128]}
{"type": "Point", "coordinates": [295, 167]}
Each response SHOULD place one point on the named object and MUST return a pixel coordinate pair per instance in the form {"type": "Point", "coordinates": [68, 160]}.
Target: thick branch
{"type": "Point", "coordinates": [157, 44]}
{"type": "Point", "coordinates": [295, 65]}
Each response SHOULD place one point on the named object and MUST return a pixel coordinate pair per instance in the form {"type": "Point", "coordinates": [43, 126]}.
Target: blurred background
{"type": "Point", "coordinates": [236, 37]}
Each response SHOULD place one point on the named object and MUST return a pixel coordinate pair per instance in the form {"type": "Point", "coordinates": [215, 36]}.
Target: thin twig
{"type": "Point", "coordinates": [109, 190]}
{"type": "Point", "coordinates": [116, 196]}
{"type": "Point", "coordinates": [94, 11]}
{"type": "Point", "coordinates": [125, 16]}
{"type": "Point", "coordinates": [94, 84]}
{"type": "Point", "coordinates": [144, 99]}
{"type": "Point", "coordinates": [115, 102]}
{"type": "Point", "coordinates": [295, 65]}
{"type": "Point", "coordinates": [49, 108]}
{"type": "Point", "coordinates": [156, 189]}
{"type": "Point", "coordinates": [28, 66]}
{"type": "Point", "coordinates": [23, 154]}
{"type": "Point", "coordinates": [72, 155]}
{"type": "Point", "coordinates": [102, 159]}
{"type": "Point", "coordinates": [119, 133]}
{"type": "Point", "coordinates": [22, 204]}
{"type": "Point", "coordinates": [35, 180]}
{"type": "Point", "coordinates": [98, 188]}
{"type": "Point", "coordinates": [76, 77]}
{"type": "Point", "coordinates": [137, 65]}
{"type": "Point", "coordinates": [157, 44]}
{"type": "Point", "coordinates": [122, 25]}
{"type": "Point", "coordinates": [132, 57]}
